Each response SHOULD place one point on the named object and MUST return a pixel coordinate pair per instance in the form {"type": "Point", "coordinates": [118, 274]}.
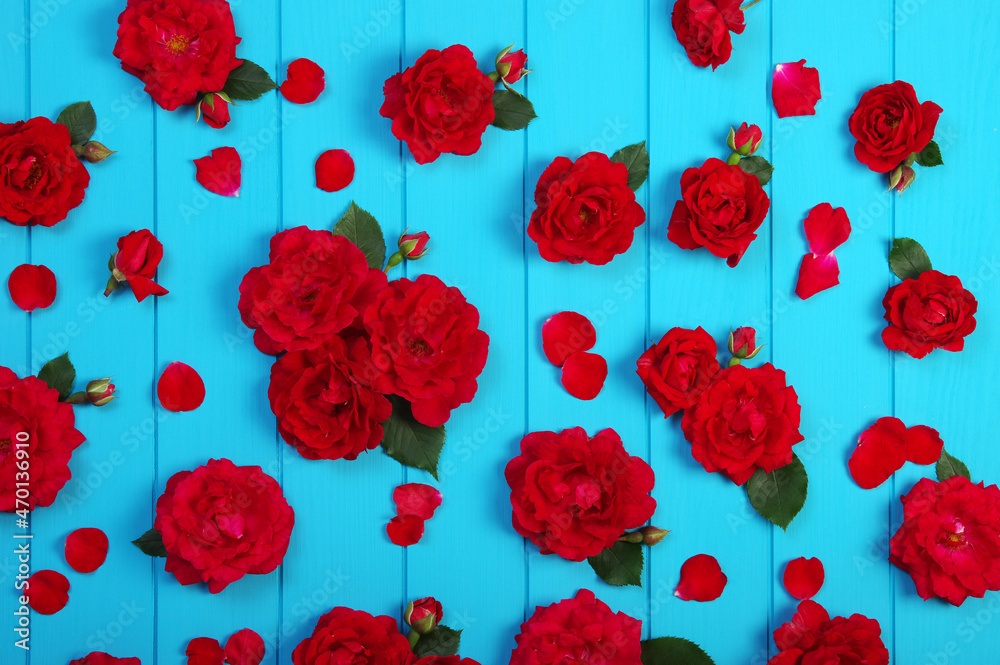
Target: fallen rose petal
{"type": "Point", "coordinates": [334, 170]}
{"type": "Point", "coordinates": [405, 530]}
{"type": "Point", "coordinates": [701, 579]}
{"type": "Point", "coordinates": [304, 81]}
{"type": "Point", "coordinates": [795, 89]}
{"type": "Point", "coordinates": [32, 287]}
{"type": "Point", "coordinates": [86, 549]}
{"type": "Point", "coordinates": [881, 452]}
{"type": "Point", "coordinates": [817, 273]}
{"type": "Point", "coordinates": [205, 651]}
{"type": "Point", "coordinates": [221, 172]}
{"type": "Point", "coordinates": [245, 648]}
{"type": "Point", "coordinates": [827, 228]}
{"type": "Point", "coordinates": [47, 591]}
{"type": "Point", "coordinates": [566, 333]}
{"type": "Point", "coordinates": [923, 445]}
{"type": "Point", "coordinates": [804, 577]}
{"type": "Point", "coordinates": [416, 499]}
{"type": "Point", "coordinates": [583, 375]}
{"type": "Point", "coordinates": [180, 388]}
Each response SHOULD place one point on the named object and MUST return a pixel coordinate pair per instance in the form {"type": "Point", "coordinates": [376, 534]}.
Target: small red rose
{"type": "Point", "coordinates": [47, 591]}
{"type": "Point", "coordinates": [423, 615]}
{"type": "Point", "coordinates": [86, 549]}
{"type": "Point", "coordinates": [180, 388]}
{"type": "Point", "coordinates": [32, 287]}
{"type": "Point", "coordinates": [795, 89]}
{"type": "Point", "coordinates": [930, 312]}
{"type": "Point", "coordinates": [304, 81]}
{"type": "Point", "coordinates": [890, 125]}
{"type": "Point", "coordinates": [334, 170]}
{"type": "Point", "coordinates": [703, 27]}
{"type": "Point", "coordinates": [812, 637]}
{"type": "Point", "coordinates": [745, 140]}
{"type": "Point", "coordinates": [678, 368]}
{"type": "Point", "coordinates": [413, 246]}
{"type": "Point", "coordinates": [702, 579]}
{"type": "Point", "coordinates": [511, 66]}
{"type": "Point", "coordinates": [138, 256]}
{"type": "Point", "coordinates": [221, 172]}
{"type": "Point", "coordinates": [215, 110]}
{"type": "Point", "coordinates": [803, 577]}
{"type": "Point", "coordinates": [348, 636]}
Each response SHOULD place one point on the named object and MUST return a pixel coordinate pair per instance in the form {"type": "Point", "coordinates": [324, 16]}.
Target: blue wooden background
{"type": "Point", "coordinates": [607, 75]}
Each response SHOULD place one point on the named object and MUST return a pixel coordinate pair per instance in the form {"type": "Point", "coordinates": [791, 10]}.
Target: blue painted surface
{"type": "Point", "coordinates": [604, 79]}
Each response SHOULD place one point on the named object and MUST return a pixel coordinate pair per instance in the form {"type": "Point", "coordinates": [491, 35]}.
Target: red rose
{"type": "Point", "coordinates": [678, 368]}
{"type": "Point", "coordinates": [423, 615]}
{"type": "Point", "coordinates": [722, 207]}
{"type": "Point", "coordinates": [443, 103]}
{"type": "Point", "coordinates": [812, 637]}
{"type": "Point", "coordinates": [413, 246]}
{"type": "Point", "coordinates": [31, 413]}
{"type": "Point", "coordinates": [890, 125]}
{"type": "Point", "coordinates": [949, 541]}
{"type": "Point", "coordinates": [324, 401]}
{"type": "Point", "coordinates": [747, 419]}
{"type": "Point", "coordinates": [578, 630]}
{"type": "Point", "coordinates": [215, 110]}
{"type": "Point", "coordinates": [221, 522]}
{"type": "Point", "coordinates": [315, 285]}
{"type": "Point", "coordinates": [178, 48]}
{"type": "Point", "coordinates": [586, 210]}
{"type": "Point", "coordinates": [931, 312]}
{"type": "Point", "coordinates": [703, 27]}
{"type": "Point", "coordinates": [101, 658]}
{"type": "Point", "coordinates": [514, 62]}
{"type": "Point", "coordinates": [746, 139]}
{"type": "Point", "coordinates": [41, 178]}
{"type": "Point", "coordinates": [349, 637]}
{"type": "Point", "coordinates": [426, 346]}
{"type": "Point", "coordinates": [138, 256]}
{"type": "Point", "coordinates": [574, 495]}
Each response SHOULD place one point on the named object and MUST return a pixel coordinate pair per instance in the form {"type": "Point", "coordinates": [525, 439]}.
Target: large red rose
{"type": "Point", "coordinates": [101, 658]}
{"type": "Point", "coordinates": [585, 210]}
{"type": "Point", "coordinates": [703, 27]}
{"type": "Point", "coordinates": [812, 638]}
{"type": "Point", "coordinates": [949, 541]}
{"type": "Point", "coordinates": [931, 312]}
{"type": "Point", "coordinates": [315, 285]}
{"type": "Point", "coordinates": [678, 368]}
{"type": "Point", "coordinates": [324, 401]}
{"type": "Point", "coordinates": [178, 47]}
{"type": "Point", "coordinates": [747, 419]}
{"type": "Point", "coordinates": [31, 413]}
{"type": "Point", "coordinates": [890, 125]}
{"type": "Point", "coordinates": [41, 178]}
{"type": "Point", "coordinates": [574, 495]}
{"type": "Point", "coordinates": [350, 637]}
{"type": "Point", "coordinates": [443, 103]}
{"type": "Point", "coordinates": [721, 208]}
{"type": "Point", "coordinates": [578, 630]}
{"type": "Point", "coordinates": [426, 346]}
{"type": "Point", "coordinates": [221, 522]}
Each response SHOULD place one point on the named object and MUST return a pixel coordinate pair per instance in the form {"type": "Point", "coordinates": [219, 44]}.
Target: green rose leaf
{"type": "Point", "coordinates": [620, 564]}
{"type": "Point", "coordinates": [442, 641]}
{"type": "Point", "coordinates": [410, 442]}
{"type": "Point", "coordinates": [358, 226]}
{"type": "Point", "coordinates": [949, 466]}
{"type": "Point", "coordinates": [636, 159]}
{"type": "Point", "coordinates": [513, 111]}
{"type": "Point", "coordinates": [930, 155]}
{"type": "Point", "coordinates": [248, 82]}
{"type": "Point", "coordinates": [757, 166]}
{"type": "Point", "coordinates": [907, 259]}
{"type": "Point", "coordinates": [151, 543]}
{"type": "Point", "coordinates": [59, 374]}
{"type": "Point", "coordinates": [673, 651]}
{"type": "Point", "coordinates": [80, 120]}
{"type": "Point", "coordinates": [779, 496]}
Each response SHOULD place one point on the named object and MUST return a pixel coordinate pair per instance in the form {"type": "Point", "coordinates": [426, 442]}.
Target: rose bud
{"type": "Point", "coordinates": [93, 152]}
{"type": "Point", "coordinates": [423, 615]}
{"type": "Point", "coordinates": [745, 140]}
{"type": "Point", "coordinates": [215, 109]}
{"type": "Point", "coordinates": [742, 344]}
{"type": "Point", "coordinates": [101, 392]}
{"type": "Point", "coordinates": [901, 178]}
{"type": "Point", "coordinates": [510, 65]}
{"type": "Point", "coordinates": [652, 535]}
{"type": "Point", "coordinates": [412, 246]}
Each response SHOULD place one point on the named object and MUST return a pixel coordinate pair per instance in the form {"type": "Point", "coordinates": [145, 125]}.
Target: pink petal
{"type": "Point", "coordinates": [881, 452]}
{"type": "Point", "coordinates": [180, 388]}
{"type": "Point", "coordinates": [220, 173]}
{"type": "Point", "coordinates": [47, 591]}
{"type": "Point", "coordinates": [827, 228]}
{"type": "Point", "coordinates": [304, 83]}
{"type": "Point", "coordinates": [923, 445]}
{"type": "Point", "coordinates": [795, 89]}
{"type": "Point", "coordinates": [245, 648]}
{"type": "Point", "coordinates": [564, 334]}
{"type": "Point", "coordinates": [817, 273]}
{"type": "Point", "coordinates": [86, 549]}
{"type": "Point", "coordinates": [416, 499]}
{"type": "Point", "coordinates": [32, 287]}
{"type": "Point", "coordinates": [804, 577]}
{"type": "Point", "coordinates": [701, 579]}
{"type": "Point", "coordinates": [583, 375]}
{"type": "Point", "coordinates": [334, 170]}
{"type": "Point", "coordinates": [204, 651]}
{"type": "Point", "coordinates": [405, 530]}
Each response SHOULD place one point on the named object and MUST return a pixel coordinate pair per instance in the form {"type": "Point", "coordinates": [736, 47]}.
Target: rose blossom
{"type": "Point", "coordinates": [678, 368]}
{"type": "Point", "coordinates": [949, 541]}
{"type": "Point", "coordinates": [350, 637]}
{"type": "Point", "coordinates": [138, 256]}
{"type": "Point", "coordinates": [930, 312]}
{"type": "Point", "coordinates": [890, 125]}
{"type": "Point", "coordinates": [573, 495]}
{"type": "Point", "coordinates": [220, 522]}
{"type": "Point", "coordinates": [703, 28]}
{"type": "Point", "coordinates": [812, 637]}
